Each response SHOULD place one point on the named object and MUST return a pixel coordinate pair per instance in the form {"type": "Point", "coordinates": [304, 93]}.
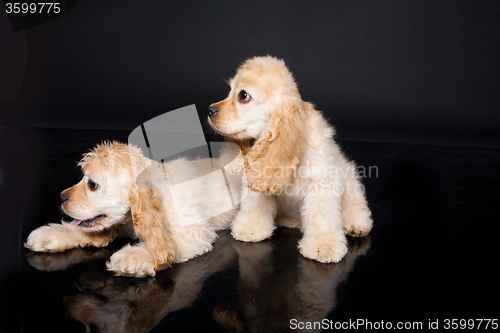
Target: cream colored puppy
{"type": "Point", "coordinates": [123, 193]}
{"type": "Point", "coordinates": [292, 163]}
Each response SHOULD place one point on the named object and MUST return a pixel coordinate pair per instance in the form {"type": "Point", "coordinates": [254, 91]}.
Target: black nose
{"type": "Point", "coordinates": [212, 110]}
{"type": "Point", "coordinates": [63, 197]}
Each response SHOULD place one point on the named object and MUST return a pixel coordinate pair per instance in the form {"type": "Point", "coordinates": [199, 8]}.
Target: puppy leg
{"type": "Point", "coordinates": [133, 260]}
{"type": "Point", "coordinates": [192, 241]}
{"type": "Point", "coordinates": [61, 237]}
{"type": "Point", "coordinates": [255, 220]}
{"type": "Point", "coordinates": [324, 239]}
{"type": "Point", "coordinates": [54, 238]}
{"type": "Point", "coordinates": [156, 252]}
{"type": "Point", "coordinates": [150, 226]}
{"type": "Point", "coordinates": [356, 215]}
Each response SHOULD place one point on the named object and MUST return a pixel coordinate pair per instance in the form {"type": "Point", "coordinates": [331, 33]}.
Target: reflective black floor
{"type": "Point", "coordinates": [433, 253]}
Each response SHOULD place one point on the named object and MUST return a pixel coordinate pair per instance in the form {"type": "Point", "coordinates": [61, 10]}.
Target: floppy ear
{"type": "Point", "coordinates": [275, 157]}
{"type": "Point", "coordinates": [149, 224]}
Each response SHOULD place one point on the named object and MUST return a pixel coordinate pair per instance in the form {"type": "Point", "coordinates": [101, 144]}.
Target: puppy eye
{"type": "Point", "coordinates": [92, 185]}
{"type": "Point", "coordinates": [243, 97]}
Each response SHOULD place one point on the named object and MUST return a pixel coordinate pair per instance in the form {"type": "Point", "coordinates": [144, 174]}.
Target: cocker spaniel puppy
{"type": "Point", "coordinates": [123, 193]}
{"type": "Point", "coordinates": [297, 172]}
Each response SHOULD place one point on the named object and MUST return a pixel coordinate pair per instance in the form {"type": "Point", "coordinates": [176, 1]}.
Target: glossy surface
{"type": "Point", "coordinates": [433, 253]}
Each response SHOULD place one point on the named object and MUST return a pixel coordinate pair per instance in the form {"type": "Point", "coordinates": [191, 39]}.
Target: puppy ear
{"type": "Point", "coordinates": [275, 157]}
{"type": "Point", "coordinates": [149, 224]}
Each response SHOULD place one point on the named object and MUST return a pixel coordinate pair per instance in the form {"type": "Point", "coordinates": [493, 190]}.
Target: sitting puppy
{"type": "Point", "coordinates": [124, 194]}
{"type": "Point", "coordinates": [297, 172]}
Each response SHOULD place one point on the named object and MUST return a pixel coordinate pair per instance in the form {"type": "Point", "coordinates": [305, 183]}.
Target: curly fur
{"type": "Point", "coordinates": [296, 170]}
{"type": "Point", "coordinates": [133, 198]}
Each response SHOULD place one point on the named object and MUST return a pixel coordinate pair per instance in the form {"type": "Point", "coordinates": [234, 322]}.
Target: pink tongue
{"type": "Point", "coordinates": [77, 222]}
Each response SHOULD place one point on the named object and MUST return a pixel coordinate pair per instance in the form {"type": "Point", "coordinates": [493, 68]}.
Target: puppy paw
{"type": "Point", "coordinates": [132, 261]}
{"type": "Point", "coordinates": [323, 248]}
{"type": "Point", "coordinates": [51, 238]}
{"type": "Point", "coordinates": [250, 231]}
{"type": "Point", "coordinates": [357, 225]}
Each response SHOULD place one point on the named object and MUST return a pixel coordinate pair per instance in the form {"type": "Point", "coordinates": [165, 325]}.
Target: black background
{"type": "Point", "coordinates": [397, 71]}
{"type": "Point", "coordinates": [405, 73]}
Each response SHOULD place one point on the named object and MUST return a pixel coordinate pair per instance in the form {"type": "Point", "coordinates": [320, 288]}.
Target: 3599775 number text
{"type": "Point", "coordinates": [32, 7]}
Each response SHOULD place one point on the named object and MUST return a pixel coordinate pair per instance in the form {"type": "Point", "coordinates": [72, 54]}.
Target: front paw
{"type": "Point", "coordinates": [51, 238]}
{"type": "Point", "coordinates": [133, 261]}
{"type": "Point", "coordinates": [247, 230]}
{"type": "Point", "coordinates": [358, 225]}
{"type": "Point", "coordinates": [324, 248]}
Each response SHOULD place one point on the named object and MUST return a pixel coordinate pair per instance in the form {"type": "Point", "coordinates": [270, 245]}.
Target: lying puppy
{"type": "Point", "coordinates": [297, 172]}
{"type": "Point", "coordinates": [124, 194]}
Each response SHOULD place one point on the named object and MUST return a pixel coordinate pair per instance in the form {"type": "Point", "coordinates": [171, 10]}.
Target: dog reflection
{"type": "Point", "coordinates": [63, 260]}
{"type": "Point", "coordinates": [104, 303]}
{"type": "Point", "coordinates": [276, 284]}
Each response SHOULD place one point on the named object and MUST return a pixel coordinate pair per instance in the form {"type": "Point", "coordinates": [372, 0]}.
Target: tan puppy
{"type": "Point", "coordinates": [123, 193]}
{"type": "Point", "coordinates": [297, 171]}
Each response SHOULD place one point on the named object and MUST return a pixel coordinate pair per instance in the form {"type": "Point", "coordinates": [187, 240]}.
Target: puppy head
{"type": "Point", "coordinates": [101, 198]}
{"type": "Point", "coordinates": [264, 109]}
{"type": "Point", "coordinates": [258, 91]}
